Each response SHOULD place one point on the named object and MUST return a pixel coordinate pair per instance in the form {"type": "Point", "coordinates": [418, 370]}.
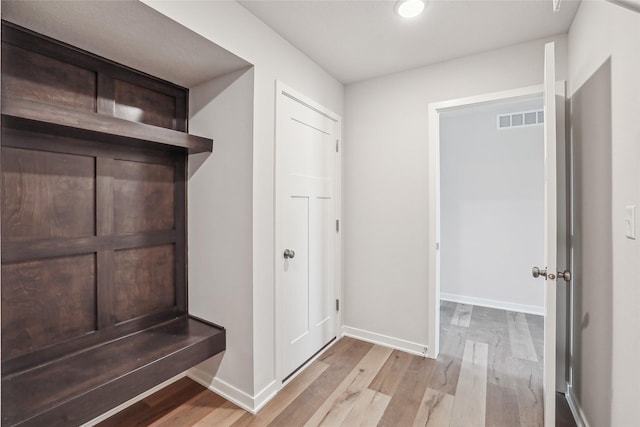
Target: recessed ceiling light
{"type": "Point", "coordinates": [409, 8]}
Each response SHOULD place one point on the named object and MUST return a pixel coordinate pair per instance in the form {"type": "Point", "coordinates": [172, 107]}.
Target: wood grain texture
{"type": "Point", "coordinates": [192, 411]}
{"type": "Point", "coordinates": [337, 406]}
{"type": "Point", "coordinates": [144, 280]}
{"type": "Point", "coordinates": [469, 407]}
{"type": "Point", "coordinates": [75, 389]}
{"type": "Point", "coordinates": [154, 407]}
{"type": "Point", "coordinates": [444, 376]}
{"type": "Point", "coordinates": [331, 387]}
{"type": "Point", "coordinates": [521, 343]}
{"type": "Point", "coordinates": [342, 357]}
{"type": "Point", "coordinates": [283, 399]}
{"type": "Point", "coordinates": [140, 104]}
{"type": "Point", "coordinates": [46, 195]}
{"type": "Point", "coordinates": [47, 69]}
{"type": "Point", "coordinates": [66, 122]}
{"type": "Point", "coordinates": [224, 416]}
{"type": "Point", "coordinates": [434, 410]}
{"type": "Point", "coordinates": [367, 410]}
{"type": "Point", "coordinates": [462, 315]}
{"type": "Point", "coordinates": [502, 406]}
{"type": "Point", "coordinates": [406, 400]}
{"type": "Point", "coordinates": [388, 379]}
{"type": "Point", "coordinates": [93, 223]}
{"type": "Point", "coordinates": [30, 75]}
{"type": "Point", "coordinates": [47, 301]}
{"type": "Point", "coordinates": [143, 197]}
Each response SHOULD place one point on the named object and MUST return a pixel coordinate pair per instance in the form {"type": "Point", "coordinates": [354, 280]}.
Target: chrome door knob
{"type": "Point", "coordinates": [566, 275]}
{"type": "Point", "coordinates": [537, 272]}
{"type": "Point", "coordinates": [289, 254]}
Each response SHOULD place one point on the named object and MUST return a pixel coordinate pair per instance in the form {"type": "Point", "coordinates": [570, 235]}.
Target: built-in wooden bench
{"type": "Point", "coordinates": [94, 242]}
{"type": "Point", "coordinates": [76, 388]}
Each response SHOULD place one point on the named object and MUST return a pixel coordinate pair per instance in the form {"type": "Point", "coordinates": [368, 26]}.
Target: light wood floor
{"type": "Point", "coordinates": [489, 373]}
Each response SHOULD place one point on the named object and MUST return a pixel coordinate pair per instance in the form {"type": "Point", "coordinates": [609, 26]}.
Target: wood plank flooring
{"type": "Point", "coordinates": [489, 373]}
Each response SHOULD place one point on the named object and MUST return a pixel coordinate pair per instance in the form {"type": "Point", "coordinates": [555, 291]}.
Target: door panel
{"type": "Point", "coordinates": [297, 277]}
{"type": "Point", "coordinates": [305, 217]}
{"type": "Point", "coordinates": [555, 229]}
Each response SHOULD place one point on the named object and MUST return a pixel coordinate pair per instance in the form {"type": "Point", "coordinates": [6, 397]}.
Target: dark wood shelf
{"type": "Point", "coordinates": [56, 120]}
{"type": "Point", "coordinates": [76, 388]}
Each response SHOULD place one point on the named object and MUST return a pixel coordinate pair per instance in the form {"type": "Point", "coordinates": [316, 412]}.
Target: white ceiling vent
{"type": "Point", "coordinates": [520, 119]}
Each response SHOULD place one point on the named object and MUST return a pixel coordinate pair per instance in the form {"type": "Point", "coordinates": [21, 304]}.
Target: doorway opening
{"type": "Point", "coordinates": [492, 205]}
{"type": "Point", "coordinates": [453, 110]}
{"type": "Point", "coordinates": [555, 192]}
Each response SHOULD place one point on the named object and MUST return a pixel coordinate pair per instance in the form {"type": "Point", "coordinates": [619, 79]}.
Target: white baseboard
{"type": "Point", "coordinates": [576, 410]}
{"type": "Point", "coordinates": [502, 305]}
{"type": "Point", "coordinates": [130, 402]}
{"type": "Point", "coordinates": [233, 394]}
{"type": "Point", "coordinates": [385, 340]}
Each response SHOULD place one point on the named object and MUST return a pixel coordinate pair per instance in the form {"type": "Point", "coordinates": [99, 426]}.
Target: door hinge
{"type": "Point", "coordinates": [337, 225]}
{"type": "Point", "coordinates": [337, 305]}
{"type": "Point", "coordinates": [337, 145]}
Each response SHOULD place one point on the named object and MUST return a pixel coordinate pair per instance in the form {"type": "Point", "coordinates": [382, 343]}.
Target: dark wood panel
{"type": "Point", "coordinates": [44, 302]}
{"type": "Point", "coordinates": [143, 197]}
{"type": "Point", "coordinates": [85, 342]}
{"type": "Point", "coordinates": [39, 116]}
{"type": "Point", "coordinates": [74, 390]}
{"type": "Point", "coordinates": [46, 195]}
{"type": "Point", "coordinates": [106, 71]}
{"type": "Point", "coordinates": [29, 138]}
{"type": "Point", "coordinates": [180, 209]}
{"type": "Point", "coordinates": [139, 104]}
{"type": "Point", "coordinates": [40, 249]}
{"type": "Point", "coordinates": [27, 74]}
{"type": "Point", "coordinates": [144, 281]}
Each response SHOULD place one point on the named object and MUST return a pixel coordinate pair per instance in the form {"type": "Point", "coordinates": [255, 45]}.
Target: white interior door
{"type": "Point", "coordinates": [306, 234]}
{"type": "Point", "coordinates": [551, 235]}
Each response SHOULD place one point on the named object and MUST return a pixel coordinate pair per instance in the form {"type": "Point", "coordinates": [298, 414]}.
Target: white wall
{"type": "Point", "coordinates": [220, 223]}
{"type": "Point", "coordinates": [231, 26]}
{"type": "Point", "coordinates": [492, 207]}
{"type": "Point", "coordinates": [599, 31]}
{"type": "Point", "coordinates": [385, 200]}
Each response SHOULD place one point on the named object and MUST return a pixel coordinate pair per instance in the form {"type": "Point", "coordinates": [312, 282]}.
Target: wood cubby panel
{"type": "Point", "coordinates": [143, 281]}
{"type": "Point", "coordinates": [46, 195]}
{"type": "Point", "coordinates": [143, 196]}
{"type": "Point", "coordinates": [139, 104]}
{"type": "Point", "coordinates": [30, 75]}
{"type": "Point", "coordinates": [46, 302]}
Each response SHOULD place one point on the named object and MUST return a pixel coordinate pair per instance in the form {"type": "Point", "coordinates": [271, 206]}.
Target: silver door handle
{"type": "Point", "coordinates": [536, 272]}
{"type": "Point", "coordinates": [288, 253]}
{"type": "Point", "coordinates": [565, 275]}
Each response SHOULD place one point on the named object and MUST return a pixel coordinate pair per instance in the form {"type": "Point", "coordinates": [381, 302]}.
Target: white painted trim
{"type": "Point", "coordinates": [233, 394]}
{"type": "Point", "coordinates": [433, 332]}
{"type": "Point", "coordinates": [385, 340]}
{"type": "Point", "coordinates": [576, 410]}
{"type": "Point", "coordinates": [252, 404]}
{"type": "Point", "coordinates": [502, 305]}
{"type": "Point", "coordinates": [284, 90]}
{"type": "Point", "coordinates": [130, 402]}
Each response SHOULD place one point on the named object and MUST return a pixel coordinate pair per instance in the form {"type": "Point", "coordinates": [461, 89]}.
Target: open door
{"type": "Point", "coordinates": [554, 226]}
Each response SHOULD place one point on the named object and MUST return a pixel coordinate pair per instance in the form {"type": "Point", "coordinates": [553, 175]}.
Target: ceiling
{"type": "Point", "coordinates": [120, 30]}
{"type": "Point", "coordinates": [356, 40]}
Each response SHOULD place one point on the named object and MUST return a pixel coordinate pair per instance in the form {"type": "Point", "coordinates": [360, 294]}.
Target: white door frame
{"type": "Point", "coordinates": [282, 90]}
{"type": "Point", "coordinates": [433, 338]}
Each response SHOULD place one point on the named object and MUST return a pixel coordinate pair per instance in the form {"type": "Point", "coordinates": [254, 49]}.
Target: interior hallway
{"type": "Point", "coordinates": [489, 373]}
